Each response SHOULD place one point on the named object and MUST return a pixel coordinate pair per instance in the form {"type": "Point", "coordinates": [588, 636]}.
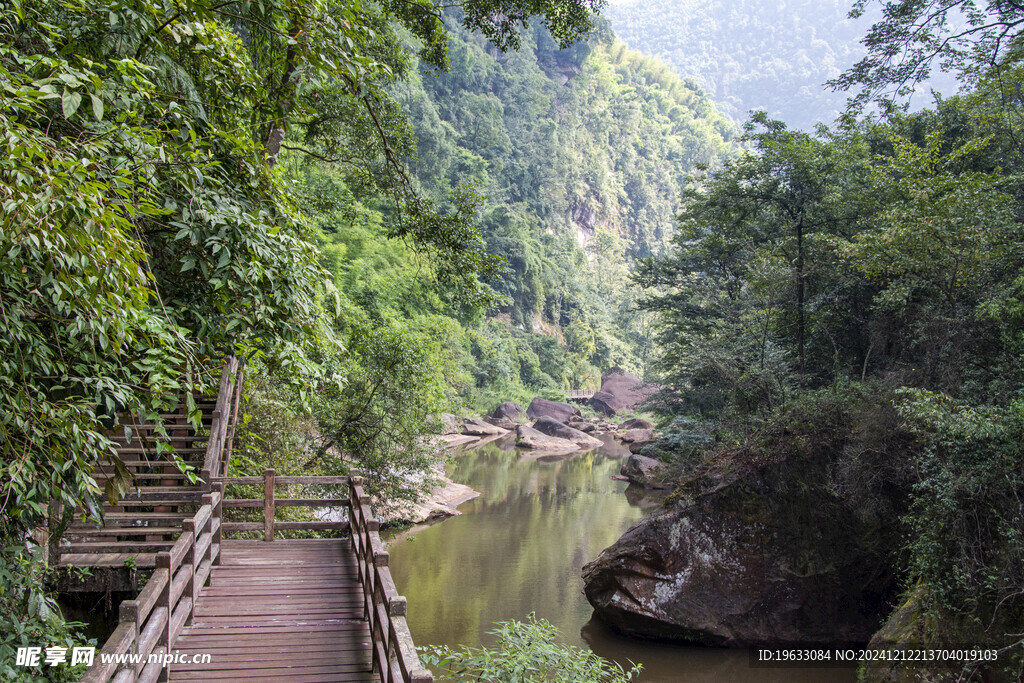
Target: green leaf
{"type": "Point", "coordinates": [69, 102]}
{"type": "Point", "coordinates": [97, 107]}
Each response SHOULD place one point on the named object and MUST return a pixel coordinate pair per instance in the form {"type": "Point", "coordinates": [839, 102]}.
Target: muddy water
{"type": "Point", "coordinates": [520, 547]}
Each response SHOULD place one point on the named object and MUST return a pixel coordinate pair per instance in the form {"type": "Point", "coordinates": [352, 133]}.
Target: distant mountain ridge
{"type": "Point", "coordinates": [754, 54]}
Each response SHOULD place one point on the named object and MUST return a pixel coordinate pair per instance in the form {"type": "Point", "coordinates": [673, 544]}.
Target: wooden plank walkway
{"type": "Point", "coordinates": [288, 610]}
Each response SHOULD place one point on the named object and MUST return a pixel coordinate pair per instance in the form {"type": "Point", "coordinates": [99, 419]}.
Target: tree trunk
{"type": "Point", "coordinates": [800, 292]}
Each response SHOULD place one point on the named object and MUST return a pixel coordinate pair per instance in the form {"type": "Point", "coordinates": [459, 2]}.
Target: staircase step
{"type": "Point", "coordinates": [129, 519]}
{"type": "Point", "coordinates": [117, 547]}
{"type": "Point", "coordinates": [144, 475]}
{"type": "Point", "coordinates": [123, 531]}
{"type": "Point", "coordinates": [116, 559]}
{"type": "Point", "coordinates": [157, 501]}
{"type": "Point", "coordinates": [132, 450]}
{"type": "Point", "coordinates": [152, 463]}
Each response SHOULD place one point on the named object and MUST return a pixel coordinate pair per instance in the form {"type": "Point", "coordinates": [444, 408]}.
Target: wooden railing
{"type": "Point", "coordinates": [394, 655]}
{"type": "Point", "coordinates": [270, 502]}
{"type": "Point", "coordinates": [222, 426]}
{"type": "Point", "coordinates": [150, 624]}
{"type": "Point", "coordinates": [580, 394]}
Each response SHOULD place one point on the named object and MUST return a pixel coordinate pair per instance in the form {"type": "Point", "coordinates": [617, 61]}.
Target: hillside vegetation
{"type": "Point", "coordinates": [572, 161]}
{"type": "Point", "coordinates": [313, 188]}
{"type": "Point", "coordinates": [852, 297]}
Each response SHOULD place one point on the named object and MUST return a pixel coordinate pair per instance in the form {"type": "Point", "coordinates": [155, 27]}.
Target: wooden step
{"type": "Point", "coordinates": [116, 559]}
{"type": "Point", "coordinates": [145, 475]}
{"type": "Point", "coordinates": [99, 547]}
{"type": "Point", "coordinates": [152, 463]}
{"type": "Point", "coordinates": [175, 431]}
{"type": "Point", "coordinates": [124, 531]}
{"type": "Point", "coordinates": [131, 450]}
{"type": "Point", "coordinates": [128, 519]}
{"type": "Point", "coordinates": [157, 501]}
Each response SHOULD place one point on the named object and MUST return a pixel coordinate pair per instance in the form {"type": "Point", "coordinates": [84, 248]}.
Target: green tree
{"type": "Point", "coordinates": [752, 298]}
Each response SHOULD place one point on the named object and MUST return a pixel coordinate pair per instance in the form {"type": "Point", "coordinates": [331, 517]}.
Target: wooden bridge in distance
{"type": "Point", "coordinates": [222, 609]}
{"type": "Point", "coordinates": [579, 394]}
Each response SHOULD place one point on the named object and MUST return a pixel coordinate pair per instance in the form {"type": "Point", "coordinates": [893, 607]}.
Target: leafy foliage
{"type": "Point", "coordinates": [30, 617]}
{"type": "Point", "coordinates": [526, 652]}
{"type": "Point", "coordinates": [967, 526]}
{"type": "Point", "coordinates": [966, 37]}
{"type": "Point", "coordinates": [877, 265]}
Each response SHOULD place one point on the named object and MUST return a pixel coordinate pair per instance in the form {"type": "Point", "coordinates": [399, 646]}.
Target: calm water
{"type": "Point", "coordinates": [521, 546]}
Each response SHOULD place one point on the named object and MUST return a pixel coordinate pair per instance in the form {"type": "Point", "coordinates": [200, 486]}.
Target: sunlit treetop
{"type": "Point", "coordinates": [965, 37]}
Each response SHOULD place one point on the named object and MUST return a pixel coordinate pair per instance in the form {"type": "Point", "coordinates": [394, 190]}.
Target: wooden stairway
{"type": "Point", "coordinates": [147, 519]}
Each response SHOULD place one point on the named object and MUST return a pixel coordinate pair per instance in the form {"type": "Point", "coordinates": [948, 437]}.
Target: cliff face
{"type": "Point", "coordinates": [755, 551]}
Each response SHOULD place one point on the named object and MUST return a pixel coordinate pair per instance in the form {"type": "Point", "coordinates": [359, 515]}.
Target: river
{"type": "Point", "coordinates": [520, 547]}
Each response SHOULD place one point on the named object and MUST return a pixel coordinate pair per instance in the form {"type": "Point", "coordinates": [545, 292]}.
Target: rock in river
{"type": "Point", "coordinates": [553, 427]}
{"type": "Point", "coordinates": [528, 437]}
{"type": "Point", "coordinates": [638, 436]}
{"type": "Point", "coordinates": [620, 390]}
{"type": "Point", "coordinates": [502, 422]}
{"type": "Point", "coordinates": [636, 423]}
{"type": "Point", "coordinates": [449, 423]}
{"type": "Point", "coordinates": [603, 403]}
{"type": "Point", "coordinates": [642, 470]}
{"type": "Point", "coordinates": [508, 410]}
{"type": "Point", "coordinates": [751, 554]}
{"type": "Point", "coordinates": [475, 427]}
{"type": "Point", "coordinates": [539, 407]}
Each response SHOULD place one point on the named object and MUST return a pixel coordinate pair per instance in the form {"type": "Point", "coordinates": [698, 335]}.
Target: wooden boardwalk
{"type": "Point", "coordinates": [290, 610]}
{"type": "Point", "coordinates": [217, 609]}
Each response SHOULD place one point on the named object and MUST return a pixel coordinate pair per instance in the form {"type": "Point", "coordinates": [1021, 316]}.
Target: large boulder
{"type": "Point", "coordinates": [528, 437]}
{"type": "Point", "coordinates": [603, 403]}
{"type": "Point", "coordinates": [638, 436]}
{"type": "Point", "coordinates": [476, 427]}
{"type": "Point", "coordinates": [553, 427]}
{"type": "Point", "coordinates": [642, 470]}
{"type": "Point", "coordinates": [636, 423]}
{"type": "Point", "coordinates": [449, 423]}
{"type": "Point", "coordinates": [620, 390]}
{"type": "Point", "coordinates": [502, 422]}
{"type": "Point", "coordinates": [508, 410]}
{"type": "Point", "coordinates": [540, 407]}
{"type": "Point", "coordinates": [755, 551]}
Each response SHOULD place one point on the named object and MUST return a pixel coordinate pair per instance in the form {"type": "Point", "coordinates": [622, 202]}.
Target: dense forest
{"type": "Point", "coordinates": [842, 310]}
{"type": "Point", "coordinates": [405, 211]}
{"type": "Point", "coordinates": [394, 209]}
{"type": "Point", "coordinates": [603, 138]}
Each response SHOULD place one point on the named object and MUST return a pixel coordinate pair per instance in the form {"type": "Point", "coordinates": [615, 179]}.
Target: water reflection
{"type": "Point", "coordinates": [520, 547]}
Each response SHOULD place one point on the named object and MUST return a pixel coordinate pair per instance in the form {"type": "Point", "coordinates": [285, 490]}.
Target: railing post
{"type": "Point", "coordinates": [128, 612]}
{"type": "Point", "coordinates": [218, 514]}
{"type": "Point", "coordinates": [163, 561]}
{"type": "Point", "coordinates": [190, 560]}
{"type": "Point", "coordinates": [268, 504]}
{"type": "Point", "coordinates": [52, 539]}
{"type": "Point", "coordinates": [207, 499]}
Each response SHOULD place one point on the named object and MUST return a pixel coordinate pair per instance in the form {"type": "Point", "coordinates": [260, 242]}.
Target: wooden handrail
{"type": "Point", "coordinates": [269, 502]}
{"type": "Point", "coordinates": [394, 655]}
{"type": "Point", "coordinates": [580, 393]}
{"type": "Point", "coordinates": [150, 624]}
{"type": "Point", "coordinates": [218, 448]}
